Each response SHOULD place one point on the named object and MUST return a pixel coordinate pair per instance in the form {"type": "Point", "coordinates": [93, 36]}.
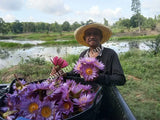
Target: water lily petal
{"type": "Point", "coordinates": [55, 60]}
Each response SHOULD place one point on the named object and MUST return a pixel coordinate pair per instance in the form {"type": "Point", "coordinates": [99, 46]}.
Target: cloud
{"type": "Point", "coordinates": [151, 4]}
{"type": "Point", "coordinates": [11, 5]}
{"type": "Point", "coordinates": [96, 14]}
{"type": "Point", "coordinates": [112, 13]}
{"type": "Point", "coordinates": [94, 10]}
{"type": "Point", "coordinates": [56, 7]}
{"type": "Point", "coordinates": [151, 8]}
{"type": "Point", "coordinates": [9, 18]}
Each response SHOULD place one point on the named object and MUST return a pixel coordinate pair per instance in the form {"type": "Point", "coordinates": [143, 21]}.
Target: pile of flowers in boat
{"type": "Point", "coordinates": [53, 98]}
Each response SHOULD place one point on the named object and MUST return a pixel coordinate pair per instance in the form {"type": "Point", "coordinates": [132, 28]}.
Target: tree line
{"type": "Point", "coordinates": [27, 27]}
{"type": "Point", "coordinates": [138, 20]}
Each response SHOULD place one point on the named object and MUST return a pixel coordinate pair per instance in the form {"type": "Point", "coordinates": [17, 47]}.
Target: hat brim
{"type": "Point", "coordinates": [79, 33]}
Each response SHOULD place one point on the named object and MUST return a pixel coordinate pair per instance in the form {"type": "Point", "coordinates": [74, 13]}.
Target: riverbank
{"type": "Point", "coordinates": [48, 36]}
{"type": "Point", "coordinates": [70, 36]}
{"type": "Point", "coordinates": [66, 38]}
{"type": "Point", "coordinates": [141, 91]}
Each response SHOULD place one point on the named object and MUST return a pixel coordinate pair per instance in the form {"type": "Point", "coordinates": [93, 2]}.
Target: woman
{"type": "Point", "coordinates": [93, 36]}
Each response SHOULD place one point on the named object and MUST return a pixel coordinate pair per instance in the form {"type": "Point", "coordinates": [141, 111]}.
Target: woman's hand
{"type": "Point", "coordinates": [54, 70]}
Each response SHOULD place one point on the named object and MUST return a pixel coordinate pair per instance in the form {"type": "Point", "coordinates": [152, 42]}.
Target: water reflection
{"type": "Point", "coordinates": [4, 54]}
{"type": "Point", "coordinates": [58, 50]}
{"type": "Point", "coordinates": [13, 57]}
{"type": "Point", "coordinates": [133, 45]}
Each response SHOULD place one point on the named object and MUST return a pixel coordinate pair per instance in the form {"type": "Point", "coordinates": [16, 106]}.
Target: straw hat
{"type": "Point", "coordinates": [79, 32]}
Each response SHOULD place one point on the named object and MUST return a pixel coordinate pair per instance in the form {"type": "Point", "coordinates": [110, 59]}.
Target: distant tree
{"type": "Point", "coordinates": [1, 22]}
{"type": "Point", "coordinates": [82, 23]}
{"type": "Point", "coordinates": [42, 26]}
{"type": "Point", "coordinates": [25, 27]}
{"type": "Point", "coordinates": [126, 23]}
{"type": "Point", "coordinates": [89, 21]}
{"type": "Point", "coordinates": [137, 20]}
{"type": "Point", "coordinates": [75, 25]}
{"type": "Point", "coordinates": [121, 23]}
{"type": "Point", "coordinates": [17, 27]}
{"type": "Point", "coordinates": [29, 27]}
{"type": "Point", "coordinates": [38, 27]}
{"type": "Point", "coordinates": [52, 27]}
{"type": "Point", "coordinates": [155, 45]}
{"type": "Point", "coordinates": [158, 18]}
{"type": "Point", "coordinates": [1, 25]}
{"type": "Point", "coordinates": [106, 22]}
{"type": "Point", "coordinates": [116, 24]}
{"type": "Point", "coordinates": [66, 26]}
{"type": "Point", "coordinates": [57, 28]}
{"type": "Point", "coordinates": [136, 8]}
{"type": "Point", "coordinates": [151, 23]}
{"type": "Point", "coordinates": [6, 28]}
{"type": "Point", "coordinates": [47, 27]}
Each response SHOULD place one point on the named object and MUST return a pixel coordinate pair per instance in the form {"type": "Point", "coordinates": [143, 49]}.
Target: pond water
{"type": "Point", "coordinates": [9, 57]}
{"type": "Point", "coordinates": [35, 42]}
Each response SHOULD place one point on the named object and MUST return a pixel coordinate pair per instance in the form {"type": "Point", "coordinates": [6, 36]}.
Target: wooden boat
{"type": "Point", "coordinates": [121, 111]}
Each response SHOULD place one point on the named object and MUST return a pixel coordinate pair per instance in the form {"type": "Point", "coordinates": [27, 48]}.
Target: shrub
{"type": "Point", "coordinates": [155, 45]}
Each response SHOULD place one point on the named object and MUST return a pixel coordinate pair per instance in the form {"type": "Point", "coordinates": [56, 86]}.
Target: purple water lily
{"type": "Point", "coordinates": [47, 110]}
{"type": "Point", "coordinates": [53, 99]}
{"type": "Point", "coordinates": [85, 101]}
{"type": "Point", "coordinates": [29, 108]}
{"type": "Point", "coordinates": [65, 106]}
{"type": "Point", "coordinates": [88, 68]}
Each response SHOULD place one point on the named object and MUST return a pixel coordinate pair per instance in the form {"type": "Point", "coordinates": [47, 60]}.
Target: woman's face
{"type": "Point", "coordinates": [93, 37]}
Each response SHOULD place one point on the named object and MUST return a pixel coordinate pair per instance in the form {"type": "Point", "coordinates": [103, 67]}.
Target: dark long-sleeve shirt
{"type": "Point", "coordinates": [111, 75]}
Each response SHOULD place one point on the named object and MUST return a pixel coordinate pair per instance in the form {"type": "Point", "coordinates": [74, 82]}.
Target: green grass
{"type": "Point", "coordinates": [64, 36]}
{"type": "Point", "coordinates": [18, 45]}
{"type": "Point", "coordinates": [71, 58]}
{"type": "Point", "coordinates": [46, 36]}
{"type": "Point", "coordinates": [134, 37]}
{"type": "Point", "coordinates": [141, 91]}
{"type": "Point", "coordinates": [31, 69]}
{"type": "Point", "coordinates": [35, 36]}
{"type": "Point", "coordinates": [68, 42]}
{"type": "Point", "coordinates": [14, 45]}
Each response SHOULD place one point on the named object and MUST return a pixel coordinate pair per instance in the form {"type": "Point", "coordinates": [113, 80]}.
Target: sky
{"type": "Point", "coordinates": [51, 11]}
